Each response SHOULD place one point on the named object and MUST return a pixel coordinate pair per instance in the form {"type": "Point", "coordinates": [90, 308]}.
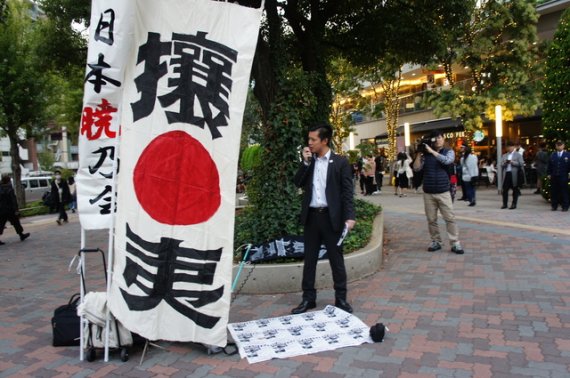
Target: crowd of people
{"type": "Point", "coordinates": [520, 167]}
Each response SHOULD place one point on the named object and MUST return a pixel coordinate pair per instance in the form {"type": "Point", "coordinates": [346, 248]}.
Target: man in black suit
{"type": "Point", "coordinates": [558, 170]}
{"type": "Point", "coordinates": [327, 208]}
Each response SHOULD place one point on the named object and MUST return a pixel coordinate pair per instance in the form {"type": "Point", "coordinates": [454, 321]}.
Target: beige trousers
{"type": "Point", "coordinates": [441, 202]}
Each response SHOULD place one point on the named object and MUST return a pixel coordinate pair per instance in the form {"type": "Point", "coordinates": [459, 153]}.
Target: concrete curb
{"type": "Point", "coordinates": [286, 278]}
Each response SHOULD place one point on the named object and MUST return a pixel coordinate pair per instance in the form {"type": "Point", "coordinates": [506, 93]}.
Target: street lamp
{"type": "Point", "coordinates": [499, 134]}
{"type": "Point", "coordinates": [407, 136]}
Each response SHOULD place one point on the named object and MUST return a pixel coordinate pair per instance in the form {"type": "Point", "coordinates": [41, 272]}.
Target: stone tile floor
{"type": "Point", "coordinates": [500, 310]}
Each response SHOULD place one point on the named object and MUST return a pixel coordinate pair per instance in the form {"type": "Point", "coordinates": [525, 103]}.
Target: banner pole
{"type": "Point", "coordinates": [110, 256]}
{"type": "Point", "coordinates": [81, 294]}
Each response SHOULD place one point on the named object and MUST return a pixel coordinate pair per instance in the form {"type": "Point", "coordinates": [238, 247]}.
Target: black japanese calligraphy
{"type": "Point", "coordinates": [202, 80]}
{"type": "Point", "coordinates": [171, 267]}
{"type": "Point", "coordinates": [98, 79]}
{"type": "Point", "coordinates": [104, 208]}
{"type": "Point", "coordinates": [105, 26]}
{"type": "Point", "coordinates": [104, 153]}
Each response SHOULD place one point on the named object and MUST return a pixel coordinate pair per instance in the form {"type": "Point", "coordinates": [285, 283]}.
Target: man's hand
{"type": "Point", "coordinates": [350, 224]}
{"type": "Point", "coordinates": [429, 149]}
{"type": "Point", "coordinates": [307, 154]}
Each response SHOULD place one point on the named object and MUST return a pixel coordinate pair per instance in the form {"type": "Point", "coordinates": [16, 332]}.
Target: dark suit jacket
{"type": "Point", "coordinates": [339, 190]}
{"type": "Point", "coordinates": [559, 166]}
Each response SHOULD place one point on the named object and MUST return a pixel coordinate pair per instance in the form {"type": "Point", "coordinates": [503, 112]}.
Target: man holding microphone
{"type": "Point", "coordinates": [327, 209]}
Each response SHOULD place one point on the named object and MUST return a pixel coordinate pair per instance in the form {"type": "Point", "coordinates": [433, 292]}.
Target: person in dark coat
{"type": "Point", "coordinates": [9, 209]}
{"type": "Point", "coordinates": [60, 196]}
{"type": "Point", "coordinates": [558, 170]}
{"type": "Point", "coordinates": [327, 209]}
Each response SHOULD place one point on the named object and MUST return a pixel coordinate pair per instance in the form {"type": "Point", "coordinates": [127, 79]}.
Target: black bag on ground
{"type": "Point", "coordinates": [65, 323]}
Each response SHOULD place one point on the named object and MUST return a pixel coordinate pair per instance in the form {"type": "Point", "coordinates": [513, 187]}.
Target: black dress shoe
{"type": "Point", "coordinates": [564, 209]}
{"type": "Point", "coordinates": [504, 207]}
{"type": "Point", "coordinates": [343, 305]}
{"type": "Point", "coordinates": [24, 236]}
{"type": "Point", "coordinates": [554, 209]}
{"type": "Point", "coordinates": [303, 307]}
{"type": "Point", "coordinates": [513, 207]}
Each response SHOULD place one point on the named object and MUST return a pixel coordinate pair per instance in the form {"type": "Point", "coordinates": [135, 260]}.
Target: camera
{"type": "Point", "coordinates": [426, 140]}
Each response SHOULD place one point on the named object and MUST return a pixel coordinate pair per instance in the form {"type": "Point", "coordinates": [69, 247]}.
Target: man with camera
{"type": "Point", "coordinates": [436, 162]}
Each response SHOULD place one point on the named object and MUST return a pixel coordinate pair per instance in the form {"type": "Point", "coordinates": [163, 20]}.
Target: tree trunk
{"type": "Point", "coordinates": [17, 170]}
{"type": "Point", "coordinates": [392, 109]}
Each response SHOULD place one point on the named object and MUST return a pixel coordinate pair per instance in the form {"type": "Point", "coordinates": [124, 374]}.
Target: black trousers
{"type": "Point", "coordinates": [12, 218]}
{"type": "Point", "coordinates": [508, 184]}
{"type": "Point", "coordinates": [318, 230]}
{"type": "Point", "coordinates": [61, 211]}
{"type": "Point", "coordinates": [559, 192]}
{"type": "Point", "coordinates": [379, 176]}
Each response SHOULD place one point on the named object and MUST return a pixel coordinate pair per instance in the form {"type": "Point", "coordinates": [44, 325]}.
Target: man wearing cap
{"type": "Point", "coordinates": [558, 170]}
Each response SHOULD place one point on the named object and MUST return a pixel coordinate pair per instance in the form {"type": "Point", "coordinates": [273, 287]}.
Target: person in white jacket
{"type": "Point", "coordinates": [404, 172]}
{"type": "Point", "coordinates": [470, 173]}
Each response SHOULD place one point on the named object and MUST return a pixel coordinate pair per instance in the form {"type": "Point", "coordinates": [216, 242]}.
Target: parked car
{"type": "Point", "coordinates": [36, 187]}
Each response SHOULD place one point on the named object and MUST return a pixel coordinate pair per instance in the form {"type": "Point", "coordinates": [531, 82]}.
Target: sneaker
{"type": "Point", "coordinates": [24, 236]}
{"type": "Point", "coordinates": [456, 248]}
{"type": "Point", "coordinates": [434, 246]}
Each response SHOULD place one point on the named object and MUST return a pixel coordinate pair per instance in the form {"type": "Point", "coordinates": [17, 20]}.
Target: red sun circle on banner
{"type": "Point", "coordinates": [176, 181]}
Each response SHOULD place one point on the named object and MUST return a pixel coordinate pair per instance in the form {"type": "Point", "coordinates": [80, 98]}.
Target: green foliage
{"type": "Point", "coordinates": [251, 131]}
{"type": "Point", "coordinates": [556, 92]}
{"type": "Point", "coordinates": [34, 208]}
{"type": "Point", "coordinates": [353, 156]}
{"type": "Point", "coordinates": [46, 160]}
{"type": "Point", "coordinates": [367, 149]}
{"type": "Point", "coordinates": [66, 100]}
{"type": "Point", "coordinates": [274, 200]}
{"type": "Point", "coordinates": [362, 231]}
{"type": "Point", "coordinates": [499, 48]}
{"type": "Point", "coordinates": [251, 157]}
{"type": "Point", "coordinates": [357, 239]}
{"type": "Point", "coordinates": [346, 84]}
{"type": "Point", "coordinates": [23, 85]}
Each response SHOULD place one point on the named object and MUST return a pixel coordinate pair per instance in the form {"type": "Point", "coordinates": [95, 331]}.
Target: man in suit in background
{"type": "Point", "coordinates": [512, 162]}
{"type": "Point", "coordinates": [558, 169]}
{"type": "Point", "coordinates": [327, 208]}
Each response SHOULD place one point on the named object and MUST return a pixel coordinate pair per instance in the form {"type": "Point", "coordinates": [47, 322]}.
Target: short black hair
{"type": "Point", "coordinates": [324, 131]}
{"type": "Point", "coordinates": [436, 133]}
{"type": "Point", "coordinates": [510, 143]}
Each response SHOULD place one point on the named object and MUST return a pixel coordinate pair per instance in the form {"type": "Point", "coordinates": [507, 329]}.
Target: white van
{"type": "Point", "coordinates": [35, 187]}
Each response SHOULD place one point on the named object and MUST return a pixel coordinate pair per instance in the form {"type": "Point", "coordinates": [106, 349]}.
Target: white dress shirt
{"type": "Point", "coordinates": [319, 198]}
{"type": "Point", "coordinates": [509, 166]}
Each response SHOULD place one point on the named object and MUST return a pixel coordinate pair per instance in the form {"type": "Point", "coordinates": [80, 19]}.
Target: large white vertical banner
{"type": "Point", "coordinates": [185, 91]}
{"type": "Point", "coordinates": [110, 36]}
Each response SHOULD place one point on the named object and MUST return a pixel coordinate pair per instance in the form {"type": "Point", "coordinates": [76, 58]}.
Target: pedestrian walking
{"type": "Point", "coordinates": [60, 196]}
{"type": "Point", "coordinates": [558, 170]}
{"type": "Point", "coordinates": [9, 210]}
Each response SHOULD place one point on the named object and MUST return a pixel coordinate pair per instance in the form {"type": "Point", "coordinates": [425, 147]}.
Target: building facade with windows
{"type": "Point", "coordinates": [418, 81]}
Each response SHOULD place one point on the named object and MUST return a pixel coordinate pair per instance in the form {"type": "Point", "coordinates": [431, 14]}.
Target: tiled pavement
{"type": "Point", "coordinates": [500, 310]}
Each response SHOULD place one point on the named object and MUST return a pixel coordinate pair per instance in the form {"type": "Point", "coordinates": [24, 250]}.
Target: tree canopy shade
{"type": "Point", "coordinates": [23, 86]}
{"type": "Point", "coordinates": [498, 48]}
{"type": "Point", "coordinates": [556, 92]}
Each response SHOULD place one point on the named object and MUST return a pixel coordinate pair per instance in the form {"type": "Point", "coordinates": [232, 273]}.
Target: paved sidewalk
{"type": "Point", "coordinates": [500, 310]}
